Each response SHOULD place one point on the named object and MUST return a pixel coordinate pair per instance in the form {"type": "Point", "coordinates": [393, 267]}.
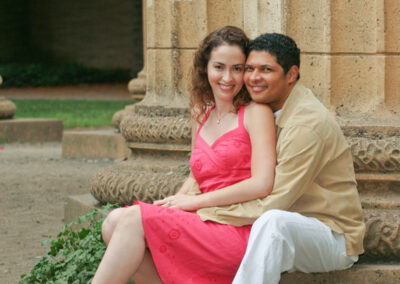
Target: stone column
{"type": "Point", "coordinates": [157, 129]}
{"type": "Point", "coordinates": [350, 59]}
{"type": "Point", "coordinates": [137, 86]}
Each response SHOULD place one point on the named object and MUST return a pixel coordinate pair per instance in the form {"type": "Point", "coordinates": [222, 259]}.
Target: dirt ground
{"type": "Point", "coordinates": [35, 182]}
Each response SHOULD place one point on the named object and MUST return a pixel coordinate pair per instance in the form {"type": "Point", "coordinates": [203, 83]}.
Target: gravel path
{"type": "Point", "coordinates": [34, 183]}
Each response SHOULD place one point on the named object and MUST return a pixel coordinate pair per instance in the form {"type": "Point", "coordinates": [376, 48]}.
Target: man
{"type": "Point", "coordinates": [313, 218]}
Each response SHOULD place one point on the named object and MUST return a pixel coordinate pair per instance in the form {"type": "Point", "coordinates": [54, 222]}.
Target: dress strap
{"type": "Point", "coordinates": [205, 118]}
{"type": "Point", "coordinates": [241, 116]}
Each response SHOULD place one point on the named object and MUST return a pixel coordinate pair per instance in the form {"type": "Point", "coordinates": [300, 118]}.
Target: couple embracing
{"type": "Point", "coordinates": [272, 185]}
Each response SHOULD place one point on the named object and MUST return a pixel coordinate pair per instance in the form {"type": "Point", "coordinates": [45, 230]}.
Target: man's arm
{"type": "Point", "coordinates": [300, 153]}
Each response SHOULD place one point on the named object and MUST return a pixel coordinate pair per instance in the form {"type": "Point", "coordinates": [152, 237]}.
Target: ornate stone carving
{"type": "Point", "coordinates": [382, 238]}
{"type": "Point", "coordinates": [7, 108]}
{"type": "Point", "coordinates": [119, 116]}
{"type": "Point", "coordinates": [146, 129]}
{"type": "Point", "coordinates": [125, 183]}
{"type": "Point", "coordinates": [378, 156]}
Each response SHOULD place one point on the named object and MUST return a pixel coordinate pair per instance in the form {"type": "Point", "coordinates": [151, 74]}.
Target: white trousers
{"type": "Point", "coordinates": [287, 241]}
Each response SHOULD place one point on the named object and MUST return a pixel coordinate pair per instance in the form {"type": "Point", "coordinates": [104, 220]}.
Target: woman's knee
{"type": "Point", "coordinates": [110, 222]}
{"type": "Point", "coordinates": [131, 219]}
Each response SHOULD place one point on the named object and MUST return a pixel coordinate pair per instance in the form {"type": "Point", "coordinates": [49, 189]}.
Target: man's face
{"type": "Point", "coordinates": [266, 81]}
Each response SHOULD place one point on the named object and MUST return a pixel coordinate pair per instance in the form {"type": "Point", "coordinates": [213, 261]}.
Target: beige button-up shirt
{"type": "Point", "coordinates": [314, 173]}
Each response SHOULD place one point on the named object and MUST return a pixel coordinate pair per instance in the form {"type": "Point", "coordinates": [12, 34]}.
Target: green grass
{"type": "Point", "coordinates": [74, 113]}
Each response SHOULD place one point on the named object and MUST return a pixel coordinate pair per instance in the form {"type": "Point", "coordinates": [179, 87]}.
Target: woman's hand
{"type": "Point", "coordinates": [180, 201]}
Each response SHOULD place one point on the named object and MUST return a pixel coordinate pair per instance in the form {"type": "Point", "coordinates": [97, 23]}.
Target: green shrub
{"type": "Point", "coordinates": [22, 74]}
{"type": "Point", "coordinates": [74, 256]}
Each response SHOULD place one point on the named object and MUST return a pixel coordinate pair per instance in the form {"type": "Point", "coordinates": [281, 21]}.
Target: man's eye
{"type": "Point", "coordinates": [238, 69]}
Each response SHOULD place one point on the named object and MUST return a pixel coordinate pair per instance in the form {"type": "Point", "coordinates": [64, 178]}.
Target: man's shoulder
{"type": "Point", "coordinates": [306, 109]}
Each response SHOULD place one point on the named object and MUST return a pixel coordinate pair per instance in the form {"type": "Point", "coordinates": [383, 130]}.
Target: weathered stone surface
{"type": "Point", "coordinates": [353, 26]}
{"type": "Point", "coordinates": [119, 115]}
{"type": "Point", "coordinates": [376, 155]}
{"type": "Point", "coordinates": [354, 94]}
{"type": "Point", "coordinates": [30, 130]}
{"type": "Point", "coordinates": [126, 182]}
{"type": "Point", "coordinates": [233, 14]}
{"type": "Point", "coordinates": [137, 86]}
{"type": "Point", "coordinates": [382, 239]}
{"type": "Point", "coordinates": [308, 23]}
{"type": "Point", "coordinates": [7, 108]}
{"type": "Point", "coordinates": [392, 83]}
{"type": "Point", "coordinates": [315, 73]}
{"type": "Point", "coordinates": [171, 129]}
{"type": "Point", "coordinates": [366, 274]}
{"type": "Point", "coordinates": [101, 143]}
{"type": "Point", "coordinates": [261, 16]}
{"type": "Point", "coordinates": [392, 26]}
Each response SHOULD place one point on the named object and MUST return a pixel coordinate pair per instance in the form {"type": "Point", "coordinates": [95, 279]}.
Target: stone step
{"type": "Point", "coordinates": [359, 273]}
{"type": "Point", "coordinates": [97, 143]}
{"type": "Point", "coordinates": [78, 205]}
{"type": "Point", "coordinates": [30, 130]}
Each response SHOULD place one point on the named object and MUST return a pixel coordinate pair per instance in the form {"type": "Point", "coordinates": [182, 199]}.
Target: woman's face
{"type": "Point", "coordinates": [225, 71]}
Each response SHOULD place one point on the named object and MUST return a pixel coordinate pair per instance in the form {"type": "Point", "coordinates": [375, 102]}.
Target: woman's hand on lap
{"type": "Point", "coordinates": [179, 201]}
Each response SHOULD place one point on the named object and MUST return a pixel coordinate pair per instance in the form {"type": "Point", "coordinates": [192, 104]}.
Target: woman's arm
{"type": "Point", "coordinates": [259, 122]}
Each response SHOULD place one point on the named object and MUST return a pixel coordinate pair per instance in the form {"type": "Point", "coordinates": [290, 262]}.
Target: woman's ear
{"type": "Point", "coordinates": [292, 74]}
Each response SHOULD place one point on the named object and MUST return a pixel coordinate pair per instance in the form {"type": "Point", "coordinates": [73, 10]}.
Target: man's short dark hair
{"type": "Point", "coordinates": [281, 46]}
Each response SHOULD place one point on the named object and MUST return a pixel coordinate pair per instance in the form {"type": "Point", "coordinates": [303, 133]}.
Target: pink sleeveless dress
{"type": "Point", "coordinates": [183, 247]}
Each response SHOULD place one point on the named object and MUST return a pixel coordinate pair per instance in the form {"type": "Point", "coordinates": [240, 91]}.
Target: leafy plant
{"type": "Point", "coordinates": [74, 256]}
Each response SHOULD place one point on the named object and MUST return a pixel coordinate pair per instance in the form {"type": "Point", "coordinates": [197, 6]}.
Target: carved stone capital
{"type": "Point", "coordinates": [155, 129]}
{"type": "Point", "coordinates": [382, 238]}
{"type": "Point", "coordinates": [125, 183]}
{"type": "Point", "coordinates": [375, 155]}
{"type": "Point", "coordinates": [119, 116]}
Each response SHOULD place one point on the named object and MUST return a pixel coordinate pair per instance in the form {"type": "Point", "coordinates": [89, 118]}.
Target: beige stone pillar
{"type": "Point", "coordinates": [350, 59]}
{"type": "Point", "coordinates": [137, 86]}
{"type": "Point", "coordinates": [158, 129]}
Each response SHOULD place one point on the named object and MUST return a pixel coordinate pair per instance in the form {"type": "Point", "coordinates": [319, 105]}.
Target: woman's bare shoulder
{"type": "Point", "coordinates": [257, 109]}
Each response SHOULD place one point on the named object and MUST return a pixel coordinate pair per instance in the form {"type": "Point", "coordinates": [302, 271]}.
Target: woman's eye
{"type": "Point", "coordinates": [218, 67]}
{"type": "Point", "coordinates": [238, 69]}
{"type": "Point", "coordinates": [248, 69]}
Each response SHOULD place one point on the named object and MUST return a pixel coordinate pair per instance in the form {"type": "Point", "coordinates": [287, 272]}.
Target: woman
{"type": "Point", "coordinates": [233, 160]}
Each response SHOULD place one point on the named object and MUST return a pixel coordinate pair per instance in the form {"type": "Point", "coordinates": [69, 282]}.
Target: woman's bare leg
{"type": "Point", "coordinates": [125, 251]}
{"type": "Point", "coordinates": [110, 223]}
{"type": "Point", "coordinates": [147, 272]}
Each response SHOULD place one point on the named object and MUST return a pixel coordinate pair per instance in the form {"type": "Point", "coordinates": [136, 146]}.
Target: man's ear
{"type": "Point", "coordinates": [292, 74]}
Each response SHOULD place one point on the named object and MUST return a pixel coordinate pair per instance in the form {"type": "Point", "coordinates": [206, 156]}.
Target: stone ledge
{"type": "Point", "coordinates": [78, 205]}
{"type": "Point", "coordinates": [103, 143]}
{"type": "Point", "coordinates": [30, 130]}
{"type": "Point", "coordinates": [359, 273]}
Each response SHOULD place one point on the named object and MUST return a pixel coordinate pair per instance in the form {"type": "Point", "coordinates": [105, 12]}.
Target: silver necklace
{"type": "Point", "coordinates": [219, 119]}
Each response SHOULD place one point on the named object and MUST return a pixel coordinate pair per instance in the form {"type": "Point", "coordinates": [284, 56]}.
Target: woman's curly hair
{"type": "Point", "coordinates": [201, 95]}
